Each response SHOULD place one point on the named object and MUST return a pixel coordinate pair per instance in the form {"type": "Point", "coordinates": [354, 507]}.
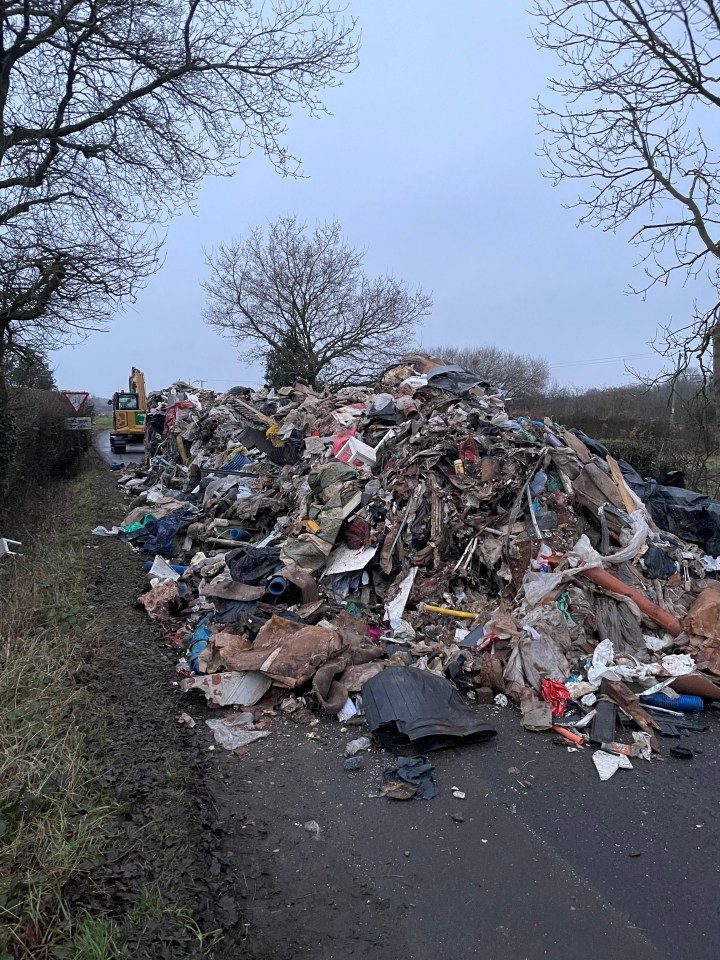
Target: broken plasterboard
{"type": "Point", "coordinates": [345, 560]}
{"type": "Point", "coordinates": [395, 608]}
{"type": "Point", "coordinates": [229, 689]}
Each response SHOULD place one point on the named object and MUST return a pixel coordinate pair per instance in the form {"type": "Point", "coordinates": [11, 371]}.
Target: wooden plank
{"type": "Point", "coordinates": [577, 446]}
{"type": "Point", "coordinates": [621, 485]}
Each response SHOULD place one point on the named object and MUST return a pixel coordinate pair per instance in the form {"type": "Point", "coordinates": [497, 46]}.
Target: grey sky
{"type": "Point", "coordinates": [429, 163]}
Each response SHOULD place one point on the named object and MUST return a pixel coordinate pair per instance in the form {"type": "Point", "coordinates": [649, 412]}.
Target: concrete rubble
{"type": "Point", "coordinates": [318, 542]}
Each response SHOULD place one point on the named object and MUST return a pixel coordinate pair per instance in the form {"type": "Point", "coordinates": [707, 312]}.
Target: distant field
{"type": "Point", "coordinates": [103, 422]}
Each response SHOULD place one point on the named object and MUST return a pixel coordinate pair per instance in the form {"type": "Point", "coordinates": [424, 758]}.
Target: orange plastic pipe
{"type": "Point", "coordinates": [663, 618]}
{"type": "Point", "coordinates": [570, 735]}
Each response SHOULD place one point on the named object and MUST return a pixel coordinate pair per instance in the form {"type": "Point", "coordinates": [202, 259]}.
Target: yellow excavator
{"type": "Point", "coordinates": [129, 410]}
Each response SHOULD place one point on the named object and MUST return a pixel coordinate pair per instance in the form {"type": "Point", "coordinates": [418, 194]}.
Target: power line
{"type": "Point", "coordinates": [581, 363]}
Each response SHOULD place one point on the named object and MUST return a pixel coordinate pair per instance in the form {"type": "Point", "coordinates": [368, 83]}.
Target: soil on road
{"type": "Point", "coordinates": [540, 859]}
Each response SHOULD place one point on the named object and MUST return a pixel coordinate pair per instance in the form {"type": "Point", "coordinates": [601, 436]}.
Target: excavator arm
{"type": "Point", "coordinates": [136, 382]}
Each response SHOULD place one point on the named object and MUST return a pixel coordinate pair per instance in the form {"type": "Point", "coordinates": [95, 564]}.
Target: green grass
{"type": "Point", "coordinates": [95, 938]}
{"type": "Point", "coordinates": [52, 818]}
{"type": "Point", "coordinates": [101, 422]}
{"type": "Point", "coordinates": [56, 825]}
{"type": "Point", "coordinates": [152, 905]}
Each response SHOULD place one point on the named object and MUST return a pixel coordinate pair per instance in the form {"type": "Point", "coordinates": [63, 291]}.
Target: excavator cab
{"type": "Point", "coordinates": [129, 411]}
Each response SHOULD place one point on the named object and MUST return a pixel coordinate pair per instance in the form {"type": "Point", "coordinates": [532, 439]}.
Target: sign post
{"type": "Point", "coordinates": [77, 428]}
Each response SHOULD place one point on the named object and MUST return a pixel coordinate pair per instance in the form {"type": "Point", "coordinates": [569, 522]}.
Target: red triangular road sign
{"type": "Point", "coordinates": [76, 398]}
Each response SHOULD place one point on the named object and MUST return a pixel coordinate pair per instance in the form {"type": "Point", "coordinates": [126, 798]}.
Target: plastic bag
{"type": "Point", "coordinates": [163, 532]}
{"type": "Point", "coordinates": [539, 586]}
{"type": "Point", "coordinates": [556, 694]}
{"type": "Point", "coordinates": [544, 646]}
{"type": "Point", "coordinates": [162, 569]}
{"type": "Point", "coordinates": [678, 664]}
{"type": "Point", "coordinates": [234, 733]}
{"type": "Point", "coordinates": [635, 540]}
{"type": "Point", "coordinates": [602, 661]}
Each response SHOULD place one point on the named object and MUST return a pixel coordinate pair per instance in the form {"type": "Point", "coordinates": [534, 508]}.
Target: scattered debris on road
{"type": "Point", "coordinates": [414, 555]}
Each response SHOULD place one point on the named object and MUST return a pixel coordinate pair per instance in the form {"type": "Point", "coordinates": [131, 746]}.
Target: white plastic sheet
{"type": "Point", "coordinates": [395, 608]}
{"type": "Point", "coordinates": [604, 667]}
{"type": "Point", "coordinates": [608, 764]}
{"type": "Point", "coordinates": [659, 643]}
{"type": "Point", "coordinates": [233, 733]}
{"type": "Point", "coordinates": [602, 663]}
{"type": "Point", "coordinates": [162, 570]}
{"type": "Point", "coordinates": [634, 540]}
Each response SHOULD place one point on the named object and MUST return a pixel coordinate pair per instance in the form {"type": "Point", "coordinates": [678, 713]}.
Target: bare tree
{"type": "Point", "coordinates": [111, 112]}
{"type": "Point", "coordinates": [519, 375]}
{"type": "Point", "coordinates": [55, 288]}
{"type": "Point", "coordinates": [299, 299]}
{"type": "Point", "coordinates": [634, 118]}
{"type": "Point", "coordinates": [29, 370]}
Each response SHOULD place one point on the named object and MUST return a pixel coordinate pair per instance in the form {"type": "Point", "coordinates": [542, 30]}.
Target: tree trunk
{"type": "Point", "coordinates": [3, 384]}
{"type": "Point", "coordinates": [716, 384]}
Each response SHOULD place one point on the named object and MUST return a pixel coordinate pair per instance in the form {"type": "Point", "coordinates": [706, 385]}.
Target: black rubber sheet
{"type": "Point", "coordinates": [413, 711]}
{"type": "Point", "coordinates": [691, 516]}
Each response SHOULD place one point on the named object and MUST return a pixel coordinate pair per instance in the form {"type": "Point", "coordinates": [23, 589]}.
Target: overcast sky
{"type": "Point", "coordinates": [429, 161]}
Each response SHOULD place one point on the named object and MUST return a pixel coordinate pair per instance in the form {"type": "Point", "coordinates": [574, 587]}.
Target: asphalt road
{"type": "Point", "coordinates": [133, 452]}
{"type": "Point", "coordinates": [539, 859]}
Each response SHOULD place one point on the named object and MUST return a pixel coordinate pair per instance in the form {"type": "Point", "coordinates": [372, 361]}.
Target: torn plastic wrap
{"type": "Point", "coordinates": [543, 646]}
{"type": "Point", "coordinates": [232, 733]}
{"type": "Point", "coordinates": [158, 535]}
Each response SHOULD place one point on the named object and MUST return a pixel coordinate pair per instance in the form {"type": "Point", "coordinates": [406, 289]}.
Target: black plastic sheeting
{"type": "Point", "coordinates": [455, 379]}
{"type": "Point", "coordinates": [253, 565]}
{"type": "Point", "coordinates": [690, 516]}
{"type": "Point", "coordinates": [657, 564]}
{"type": "Point", "coordinates": [594, 446]}
{"type": "Point", "coordinates": [157, 535]}
{"type": "Point", "coordinates": [411, 777]}
{"type": "Point", "coordinates": [412, 711]}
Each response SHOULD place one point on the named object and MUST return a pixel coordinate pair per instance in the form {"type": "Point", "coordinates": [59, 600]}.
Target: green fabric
{"type": "Point", "coordinates": [140, 524]}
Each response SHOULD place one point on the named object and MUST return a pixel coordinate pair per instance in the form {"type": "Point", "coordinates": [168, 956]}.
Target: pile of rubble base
{"type": "Point", "coordinates": [411, 553]}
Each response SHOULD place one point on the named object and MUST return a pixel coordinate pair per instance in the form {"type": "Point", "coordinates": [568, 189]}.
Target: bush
{"type": "Point", "coordinates": [650, 457]}
{"type": "Point", "coordinates": [38, 446]}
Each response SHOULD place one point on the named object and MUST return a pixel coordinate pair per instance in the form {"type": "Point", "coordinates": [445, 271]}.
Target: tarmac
{"type": "Point", "coordinates": [133, 453]}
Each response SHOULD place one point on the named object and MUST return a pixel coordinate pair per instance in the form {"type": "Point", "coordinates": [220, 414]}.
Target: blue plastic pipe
{"type": "Point", "coordinates": [236, 534]}
{"type": "Point", "coordinates": [685, 703]}
{"type": "Point", "coordinates": [277, 586]}
{"type": "Point", "coordinates": [176, 567]}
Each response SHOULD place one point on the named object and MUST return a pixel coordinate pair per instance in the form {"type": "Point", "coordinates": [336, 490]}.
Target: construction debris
{"type": "Point", "coordinates": [413, 552]}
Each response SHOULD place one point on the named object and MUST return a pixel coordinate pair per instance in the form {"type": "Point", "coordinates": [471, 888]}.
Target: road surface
{"type": "Point", "coordinates": [539, 859]}
{"type": "Point", "coordinates": [133, 452]}
{"type": "Point", "coordinates": [294, 858]}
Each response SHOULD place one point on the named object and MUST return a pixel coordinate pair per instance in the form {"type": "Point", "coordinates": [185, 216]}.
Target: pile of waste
{"type": "Point", "coordinates": [410, 554]}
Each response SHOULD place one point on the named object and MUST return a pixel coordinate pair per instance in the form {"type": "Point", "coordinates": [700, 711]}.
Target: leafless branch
{"type": "Point", "coordinates": [298, 298]}
{"type": "Point", "coordinates": [112, 112]}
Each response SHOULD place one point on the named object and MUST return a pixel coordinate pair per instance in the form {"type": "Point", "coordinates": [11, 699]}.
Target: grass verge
{"type": "Point", "coordinates": [102, 422]}
{"type": "Point", "coordinates": [52, 820]}
{"type": "Point", "coordinates": [62, 826]}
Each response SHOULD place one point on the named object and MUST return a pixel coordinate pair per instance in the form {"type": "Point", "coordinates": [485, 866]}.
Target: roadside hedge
{"type": "Point", "coordinates": [34, 445]}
